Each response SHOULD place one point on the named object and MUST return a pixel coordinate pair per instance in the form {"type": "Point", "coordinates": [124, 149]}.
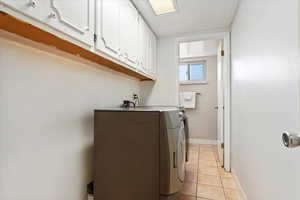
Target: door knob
{"type": "Point", "coordinates": [290, 140]}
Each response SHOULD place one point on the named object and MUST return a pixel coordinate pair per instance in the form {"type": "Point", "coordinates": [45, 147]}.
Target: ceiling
{"type": "Point", "coordinates": [192, 16]}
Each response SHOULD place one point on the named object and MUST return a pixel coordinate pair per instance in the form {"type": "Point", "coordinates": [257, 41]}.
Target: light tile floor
{"type": "Point", "coordinates": [205, 178]}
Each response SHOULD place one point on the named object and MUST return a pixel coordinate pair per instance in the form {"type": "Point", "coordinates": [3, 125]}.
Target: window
{"type": "Point", "coordinates": [193, 72]}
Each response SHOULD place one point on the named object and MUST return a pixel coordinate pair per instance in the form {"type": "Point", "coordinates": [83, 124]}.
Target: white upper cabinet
{"type": "Point", "coordinates": [112, 27]}
{"type": "Point", "coordinates": [153, 68]}
{"type": "Point", "coordinates": [142, 45]}
{"type": "Point", "coordinates": [36, 9]}
{"type": "Point", "coordinates": [74, 18]}
{"type": "Point", "coordinates": [128, 33]}
{"type": "Point", "coordinates": [147, 48]}
{"type": "Point", "coordinates": [108, 26]}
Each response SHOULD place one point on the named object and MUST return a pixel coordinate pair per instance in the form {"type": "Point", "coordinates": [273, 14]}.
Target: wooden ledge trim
{"type": "Point", "coordinates": [23, 29]}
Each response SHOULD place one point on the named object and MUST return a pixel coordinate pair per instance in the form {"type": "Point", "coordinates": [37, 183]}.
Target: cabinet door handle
{"type": "Point", "coordinates": [52, 15]}
{"type": "Point", "coordinates": [174, 160]}
{"type": "Point", "coordinates": [32, 3]}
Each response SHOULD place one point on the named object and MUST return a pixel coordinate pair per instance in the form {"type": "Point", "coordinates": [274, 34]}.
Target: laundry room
{"type": "Point", "coordinates": [149, 100]}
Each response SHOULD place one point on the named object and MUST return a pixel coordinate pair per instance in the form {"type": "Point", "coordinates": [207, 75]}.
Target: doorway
{"type": "Point", "coordinates": [204, 74]}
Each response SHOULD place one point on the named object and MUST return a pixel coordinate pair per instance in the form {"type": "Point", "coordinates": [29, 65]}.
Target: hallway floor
{"type": "Point", "coordinates": [206, 179]}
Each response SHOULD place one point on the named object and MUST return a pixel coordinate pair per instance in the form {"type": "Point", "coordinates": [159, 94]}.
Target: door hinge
{"type": "Point", "coordinates": [222, 53]}
{"type": "Point", "coordinates": [95, 38]}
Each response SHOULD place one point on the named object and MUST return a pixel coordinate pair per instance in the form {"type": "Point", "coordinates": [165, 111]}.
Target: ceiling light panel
{"type": "Point", "coordinates": [163, 6]}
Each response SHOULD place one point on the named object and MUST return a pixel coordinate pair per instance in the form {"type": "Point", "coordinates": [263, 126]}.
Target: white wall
{"type": "Point", "coordinates": [199, 48]}
{"type": "Point", "coordinates": [46, 121]}
{"type": "Point", "coordinates": [164, 91]}
{"type": "Point", "coordinates": [203, 119]}
{"type": "Point", "coordinates": [265, 98]}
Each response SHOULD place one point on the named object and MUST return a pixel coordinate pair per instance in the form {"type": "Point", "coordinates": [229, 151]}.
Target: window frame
{"type": "Point", "coordinates": [194, 61]}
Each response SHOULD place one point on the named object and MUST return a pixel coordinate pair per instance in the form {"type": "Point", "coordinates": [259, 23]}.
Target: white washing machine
{"type": "Point", "coordinates": [172, 154]}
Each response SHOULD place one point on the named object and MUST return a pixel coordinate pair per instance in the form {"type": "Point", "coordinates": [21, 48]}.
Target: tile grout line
{"type": "Point", "coordinates": [197, 172]}
{"type": "Point", "coordinates": [198, 166]}
{"type": "Point", "coordinates": [219, 167]}
{"type": "Point", "coordinates": [219, 175]}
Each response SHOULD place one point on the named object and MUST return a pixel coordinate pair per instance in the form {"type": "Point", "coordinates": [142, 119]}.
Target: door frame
{"type": "Point", "coordinates": [220, 102]}
{"type": "Point", "coordinates": [224, 35]}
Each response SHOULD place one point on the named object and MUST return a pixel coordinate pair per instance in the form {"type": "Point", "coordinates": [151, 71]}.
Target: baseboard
{"type": "Point", "coordinates": [201, 141]}
{"type": "Point", "coordinates": [244, 196]}
{"type": "Point", "coordinates": [90, 197]}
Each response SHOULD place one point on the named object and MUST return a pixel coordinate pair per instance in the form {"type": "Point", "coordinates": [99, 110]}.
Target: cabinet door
{"type": "Point", "coordinates": [153, 54]}
{"type": "Point", "coordinates": [150, 53]}
{"type": "Point", "coordinates": [36, 9]}
{"type": "Point", "coordinates": [142, 45]}
{"type": "Point", "coordinates": [74, 18]}
{"type": "Point", "coordinates": [128, 33]}
{"type": "Point", "coordinates": [107, 26]}
{"type": "Point", "coordinates": [148, 50]}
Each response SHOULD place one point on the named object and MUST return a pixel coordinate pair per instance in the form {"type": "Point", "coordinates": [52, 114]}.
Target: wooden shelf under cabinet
{"type": "Point", "coordinates": [18, 27]}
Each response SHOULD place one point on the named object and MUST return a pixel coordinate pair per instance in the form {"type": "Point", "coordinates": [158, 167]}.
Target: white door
{"type": "Point", "coordinates": [108, 26]}
{"type": "Point", "coordinates": [220, 106]}
{"type": "Point", "coordinates": [266, 98]}
{"type": "Point", "coordinates": [74, 18]}
{"type": "Point", "coordinates": [128, 33]}
{"type": "Point", "coordinates": [37, 9]}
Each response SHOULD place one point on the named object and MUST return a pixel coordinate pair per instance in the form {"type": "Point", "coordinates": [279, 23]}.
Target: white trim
{"type": "Point", "coordinates": [244, 196]}
{"type": "Point", "coordinates": [201, 32]}
{"type": "Point", "coordinates": [197, 57]}
{"type": "Point", "coordinates": [227, 102]}
{"type": "Point", "coordinates": [202, 141]}
{"type": "Point", "coordinates": [193, 82]}
{"type": "Point", "coordinates": [203, 36]}
{"type": "Point", "coordinates": [90, 197]}
{"type": "Point", "coordinates": [194, 59]}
